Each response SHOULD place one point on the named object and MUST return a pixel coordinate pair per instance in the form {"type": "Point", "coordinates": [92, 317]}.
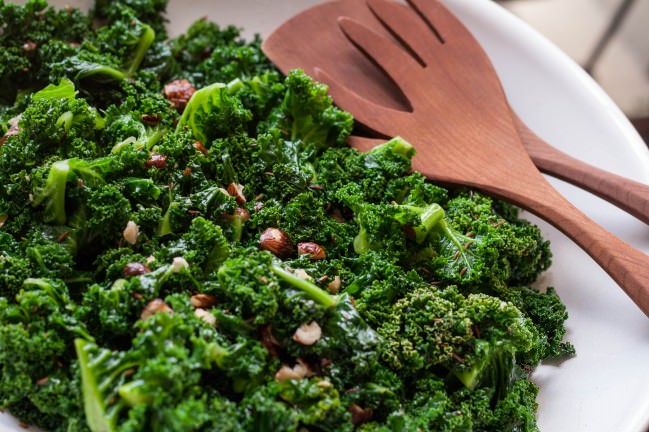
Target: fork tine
{"type": "Point", "coordinates": [386, 53]}
{"type": "Point", "coordinates": [408, 27]}
{"type": "Point", "coordinates": [375, 117]}
{"type": "Point", "coordinates": [440, 19]}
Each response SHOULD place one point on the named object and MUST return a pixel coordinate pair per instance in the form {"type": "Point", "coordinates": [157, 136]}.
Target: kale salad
{"type": "Point", "coordinates": [187, 243]}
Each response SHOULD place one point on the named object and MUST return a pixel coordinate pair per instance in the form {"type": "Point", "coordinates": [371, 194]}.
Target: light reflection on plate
{"type": "Point", "coordinates": [606, 387]}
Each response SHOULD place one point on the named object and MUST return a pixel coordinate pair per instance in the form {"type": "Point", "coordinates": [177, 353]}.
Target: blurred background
{"type": "Point", "coordinates": [609, 38]}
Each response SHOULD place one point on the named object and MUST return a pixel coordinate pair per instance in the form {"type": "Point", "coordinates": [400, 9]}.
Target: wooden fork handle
{"type": "Point", "coordinates": [627, 266]}
{"type": "Point", "coordinates": [629, 195]}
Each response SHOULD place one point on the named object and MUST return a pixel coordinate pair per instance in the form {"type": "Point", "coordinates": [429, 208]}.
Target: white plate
{"type": "Point", "coordinates": [606, 387]}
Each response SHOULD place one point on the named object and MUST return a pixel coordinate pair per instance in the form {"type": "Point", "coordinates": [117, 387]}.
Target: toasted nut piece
{"type": "Point", "coordinates": [179, 92]}
{"type": "Point", "coordinates": [178, 264]}
{"type": "Point", "coordinates": [236, 190]}
{"type": "Point", "coordinates": [131, 232]}
{"type": "Point", "coordinates": [156, 160]}
{"type": "Point", "coordinates": [268, 339]}
{"type": "Point", "coordinates": [14, 129]}
{"type": "Point", "coordinates": [308, 334]}
{"type": "Point", "coordinates": [302, 274]}
{"type": "Point", "coordinates": [242, 213]}
{"type": "Point", "coordinates": [314, 250]}
{"type": "Point", "coordinates": [205, 316]}
{"type": "Point", "coordinates": [151, 120]}
{"type": "Point", "coordinates": [135, 269]}
{"type": "Point", "coordinates": [62, 236]}
{"type": "Point", "coordinates": [286, 373]}
{"type": "Point", "coordinates": [200, 147]}
{"type": "Point", "coordinates": [239, 213]}
{"type": "Point", "coordinates": [299, 371]}
{"type": "Point", "coordinates": [360, 415]}
{"type": "Point", "coordinates": [203, 300]}
{"type": "Point", "coordinates": [29, 46]}
{"type": "Point", "coordinates": [334, 285]}
{"type": "Point", "coordinates": [155, 306]}
{"type": "Point", "coordinates": [324, 384]}
{"type": "Point", "coordinates": [277, 242]}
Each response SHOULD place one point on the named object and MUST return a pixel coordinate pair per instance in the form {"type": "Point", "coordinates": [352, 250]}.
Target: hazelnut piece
{"type": "Point", "coordinates": [156, 160]}
{"type": "Point", "coordinates": [360, 415]}
{"type": "Point", "coordinates": [277, 242]}
{"type": "Point", "coordinates": [200, 147]}
{"type": "Point", "coordinates": [203, 300]}
{"type": "Point", "coordinates": [135, 269]}
{"type": "Point", "coordinates": [299, 371]}
{"type": "Point", "coordinates": [179, 92]}
{"type": "Point", "coordinates": [236, 190]}
{"type": "Point", "coordinates": [308, 334]}
{"type": "Point", "coordinates": [334, 285]}
{"type": "Point", "coordinates": [131, 232]}
{"type": "Point", "coordinates": [155, 306]}
{"type": "Point", "coordinates": [314, 250]}
{"type": "Point", "coordinates": [205, 316]}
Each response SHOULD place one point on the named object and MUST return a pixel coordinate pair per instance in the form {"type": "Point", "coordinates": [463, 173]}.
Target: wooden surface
{"type": "Point", "coordinates": [455, 115]}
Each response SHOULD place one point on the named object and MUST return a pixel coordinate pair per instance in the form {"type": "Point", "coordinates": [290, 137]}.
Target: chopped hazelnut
{"type": "Point", "coordinates": [314, 250]}
{"type": "Point", "coordinates": [308, 334]}
{"type": "Point", "coordinates": [156, 160]}
{"type": "Point", "coordinates": [200, 147]}
{"type": "Point", "coordinates": [299, 371]}
{"type": "Point", "coordinates": [360, 415]}
{"type": "Point", "coordinates": [240, 214]}
{"type": "Point", "coordinates": [179, 92]}
{"type": "Point", "coordinates": [178, 264]}
{"type": "Point", "coordinates": [334, 285]}
{"type": "Point", "coordinates": [302, 274]}
{"type": "Point", "coordinates": [277, 242]}
{"type": "Point", "coordinates": [29, 46]}
{"type": "Point", "coordinates": [135, 269]}
{"type": "Point", "coordinates": [268, 339]}
{"type": "Point", "coordinates": [205, 316]}
{"type": "Point", "coordinates": [203, 300]}
{"type": "Point", "coordinates": [236, 190]}
{"type": "Point", "coordinates": [14, 129]}
{"type": "Point", "coordinates": [155, 306]}
{"type": "Point", "coordinates": [151, 120]}
{"type": "Point", "coordinates": [131, 232]}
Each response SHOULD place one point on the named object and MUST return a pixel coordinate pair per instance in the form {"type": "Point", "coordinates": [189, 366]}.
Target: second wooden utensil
{"type": "Point", "coordinates": [458, 120]}
{"type": "Point", "coordinates": [328, 49]}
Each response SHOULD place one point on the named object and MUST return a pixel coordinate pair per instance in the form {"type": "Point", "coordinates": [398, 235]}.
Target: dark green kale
{"type": "Point", "coordinates": [229, 263]}
{"type": "Point", "coordinates": [30, 34]}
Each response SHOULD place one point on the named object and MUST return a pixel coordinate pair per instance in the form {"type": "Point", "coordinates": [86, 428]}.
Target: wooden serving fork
{"type": "Point", "coordinates": [326, 46]}
{"type": "Point", "coordinates": [457, 116]}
